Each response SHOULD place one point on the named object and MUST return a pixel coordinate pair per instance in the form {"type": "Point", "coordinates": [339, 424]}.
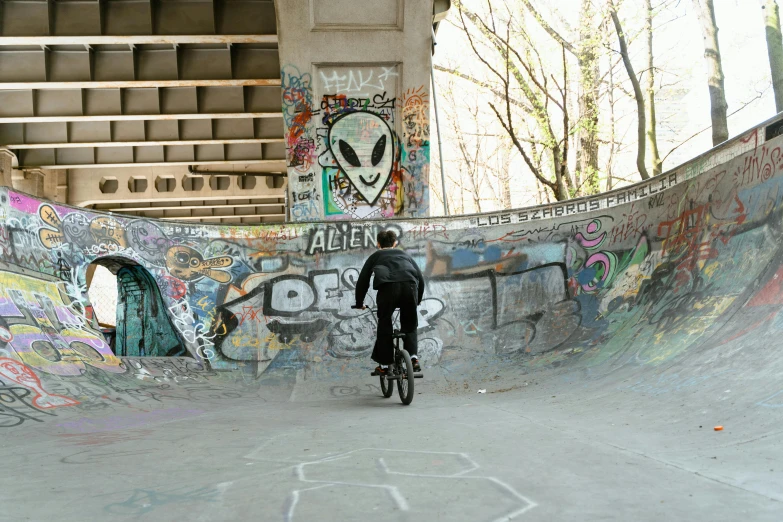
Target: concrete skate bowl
{"type": "Point", "coordinates": [626, 324]}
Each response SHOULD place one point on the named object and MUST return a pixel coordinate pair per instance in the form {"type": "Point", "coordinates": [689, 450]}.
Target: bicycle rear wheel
{"type": "Point", "coordinates": [387, 387]}
{"type": "Point", "coordinates": [405, 380]}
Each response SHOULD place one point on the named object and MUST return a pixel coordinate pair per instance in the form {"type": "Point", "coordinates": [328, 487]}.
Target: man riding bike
{"type": "Point", "coordinates": [400, 285]}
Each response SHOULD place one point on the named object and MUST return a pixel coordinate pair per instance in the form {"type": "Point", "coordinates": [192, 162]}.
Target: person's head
{"type": "Point", "coordinates": [386, 239]}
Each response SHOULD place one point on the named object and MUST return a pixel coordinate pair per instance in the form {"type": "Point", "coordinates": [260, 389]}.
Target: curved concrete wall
{"type": "Point", "coordinates": [649, 271]}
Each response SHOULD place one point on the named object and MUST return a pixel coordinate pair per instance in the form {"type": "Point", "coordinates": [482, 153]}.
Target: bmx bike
{"type": "Point", "coordinates": [401, 370]}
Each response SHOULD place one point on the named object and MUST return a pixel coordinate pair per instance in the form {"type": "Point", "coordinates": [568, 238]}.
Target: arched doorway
{"type": "Point", "coordinates": [142, 327]}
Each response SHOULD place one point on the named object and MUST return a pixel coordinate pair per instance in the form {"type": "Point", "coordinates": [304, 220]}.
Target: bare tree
{"type": "Point", "coordinates": [482, 158]}
{"type": "Point", "coordinates": [774, 49]}
{"type": "Point", "coordinates": [505, 48]}
{"type": "Point", "coordinates": [705, 10]}
{"type": "Point", "coordinates": [505, 174]}
{"type": "Point", "coordinates": [610, 160]}
{"type": "Point", "coordinates": [637, 90]}
{"type": "Point", "coordinates": [652, 137]}
{"type": "Point", "coordinates": [586, 175]}
{"type": "Point", "coordinates": [587, 54]}
{"type": "Point", "coordinates": [564, 115]}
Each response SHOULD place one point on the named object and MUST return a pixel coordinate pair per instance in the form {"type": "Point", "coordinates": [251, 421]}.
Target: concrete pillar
{"type": "Point", "coordinates": [62, 185]}
{"type": "Point", "coordinates": [356, 95]}
{"type": "Point", "coordinates": [50, 178]}
{"type": "Point", "coordinates": [31, 182]}
{"type": "Point", "coordinates": [6, 162]}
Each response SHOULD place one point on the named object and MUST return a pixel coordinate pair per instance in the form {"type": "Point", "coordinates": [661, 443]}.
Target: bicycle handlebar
{"type": "Point", "coordinates": [365, 307]}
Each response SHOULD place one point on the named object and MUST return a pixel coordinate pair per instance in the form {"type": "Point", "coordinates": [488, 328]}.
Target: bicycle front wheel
{"type": "Point", "coordinates": [405, 379]}
{"type": "Point", "coordinates": [387, 387]}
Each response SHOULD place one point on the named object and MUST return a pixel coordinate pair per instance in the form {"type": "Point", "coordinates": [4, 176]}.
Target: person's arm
{"type": "Point", "coordinates": [421, 280]}
{"type": "Point", "coordinates": [363, 283]}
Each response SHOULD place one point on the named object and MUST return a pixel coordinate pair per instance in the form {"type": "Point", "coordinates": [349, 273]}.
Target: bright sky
{"type": "Point", "coordinates": [682, 100]}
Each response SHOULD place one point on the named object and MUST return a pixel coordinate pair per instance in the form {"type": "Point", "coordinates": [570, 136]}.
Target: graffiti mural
{"type": "Point", "coordinates": [16, 372]}
{"type": "Point", "coordinates": [359, 145]}
{"type": "Point", "coordinates": [297, 113]}
{"type": "Point", "coordinates": [366, 157]}
{"type": "Point", "coordinates": [645, 273]}
{"type": "Point", "coordinates": [356, 148]}
{"type": "Point", "coordinates": [143, 326]}
{"type": "Point", "coordinates": [38, 326]}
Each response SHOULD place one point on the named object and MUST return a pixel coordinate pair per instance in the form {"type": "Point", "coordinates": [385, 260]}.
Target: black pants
{"type": "Point", "coordinates": [391, 296]}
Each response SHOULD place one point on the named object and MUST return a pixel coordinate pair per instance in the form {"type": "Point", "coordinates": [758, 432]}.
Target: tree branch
{"type": "Point", "coordinates": [484, 84]}
{"type": "Point", "coordinates": [548, 28]}
{"type": "Point", "coordinates": [521, 150]}
{"type": "Point", "coordinates": [641, 132]}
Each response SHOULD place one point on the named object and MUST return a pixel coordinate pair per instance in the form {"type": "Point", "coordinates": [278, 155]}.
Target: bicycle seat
{"type": "Point", "coordinates": [397, 334]}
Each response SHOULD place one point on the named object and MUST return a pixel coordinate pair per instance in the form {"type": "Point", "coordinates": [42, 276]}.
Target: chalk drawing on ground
{"type": "Point", "coordinates": [404, 474]}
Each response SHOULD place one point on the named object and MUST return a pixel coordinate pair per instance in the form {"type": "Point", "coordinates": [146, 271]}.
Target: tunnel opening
{"type": "Point", "coordinates": [130, 311]}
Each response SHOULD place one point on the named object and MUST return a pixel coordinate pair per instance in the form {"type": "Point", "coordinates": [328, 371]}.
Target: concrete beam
{"type": "Point", "coordinates": [199, 207]}
{"type": "Point", "coordinates": [138, 84]}
{"type": "Point", "coordinates": [77, 145]}
{"type": "Point", "coordinates": [141, 39]}
{"type": "Point", "coordinates": [220, 218]}
{"type": "Point", "coordinates": [204, 197]}
{"type": "Point", "coordinates": [273, 164]}
{"type": "Point", "coordinates": [140, 117]}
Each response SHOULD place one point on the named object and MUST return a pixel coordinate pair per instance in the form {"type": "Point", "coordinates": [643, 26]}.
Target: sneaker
{"type": "Point", "coordinates": [382, 371]}
{"type": "Point", "coordinates": [416, 367]}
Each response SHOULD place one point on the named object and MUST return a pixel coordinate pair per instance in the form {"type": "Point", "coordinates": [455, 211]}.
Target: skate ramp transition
{"type": "Point", "coordinates": [670, 286]}
{"type": "Point", "coordinates": [641, 275]}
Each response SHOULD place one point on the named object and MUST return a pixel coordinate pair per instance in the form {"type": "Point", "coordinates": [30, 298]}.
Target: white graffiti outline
{"type": "Point", "coordinates": [400, 501]}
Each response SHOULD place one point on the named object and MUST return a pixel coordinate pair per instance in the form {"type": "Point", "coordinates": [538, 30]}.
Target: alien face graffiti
{"type": "Point", "coordinates": [363, 147]}
{"type": "Point", "coordinates": [189, 265]}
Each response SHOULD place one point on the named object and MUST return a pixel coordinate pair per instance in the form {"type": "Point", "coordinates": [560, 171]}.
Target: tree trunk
{"type": "Point", "coordinates": [774, 50]}
{"type": "Point", "coordinates": [461, 196]}
{"type": "Point", "coordinates": [610, 161]}
{"type": "Point", "coordinates": [475, 191]}
{"type": "Point", "coordinates": [706, 13]}
{"type": "Point", "coordinates": [562, 190]}
{"type": "Point", "coordinates": [561, 181]}
{"type": "Point", "coordinates": [523, 66]}
{"type": "Point", "coordinates": [473, 170]}
{"type": "Point", "coordinates": [652, 137]}
{"type": "Point", "coordinates": [505, 177]}
{"type": "Point", "coordinates": [641, 145]}
{"type": "Point", "coordinates": [587, 152]}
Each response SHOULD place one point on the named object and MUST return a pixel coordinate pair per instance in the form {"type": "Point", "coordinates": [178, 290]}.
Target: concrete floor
{"type": "Point", "coordinates": [554, 445]}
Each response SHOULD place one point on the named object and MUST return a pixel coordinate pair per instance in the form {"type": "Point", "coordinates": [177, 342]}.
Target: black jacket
{"type": "Point", "coordinates": [389, 266]}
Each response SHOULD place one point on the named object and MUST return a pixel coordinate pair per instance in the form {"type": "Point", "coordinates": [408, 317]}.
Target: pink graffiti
{"type": "Point", "coordinates": [592, 228]}
{"type": "Point", "coordinates": [173, 287]}
{"type": "Point", "coordinates": [17, 372]}
{"type": "Point", "coordinates": [599, 258]}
